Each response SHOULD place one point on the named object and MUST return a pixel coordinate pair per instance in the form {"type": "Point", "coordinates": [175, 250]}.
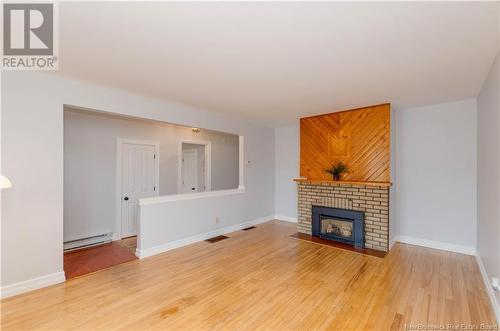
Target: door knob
{"type": "Point", "coordinates": [192, 188]}
{"type": "Point", "coordinates": [126, 198]}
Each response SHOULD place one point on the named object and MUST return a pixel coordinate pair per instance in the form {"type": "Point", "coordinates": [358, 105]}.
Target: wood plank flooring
{"type": "Point", "coordinates": [262, 280]}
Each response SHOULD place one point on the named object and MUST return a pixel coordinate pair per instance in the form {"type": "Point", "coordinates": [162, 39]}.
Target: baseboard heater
{"type": "Point", "coordinates": [87, 241]}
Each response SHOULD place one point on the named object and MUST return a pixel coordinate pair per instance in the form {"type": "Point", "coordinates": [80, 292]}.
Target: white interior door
{"type": "Point", "coordinates": [189, 171]}
{"type": "Point", "coordinates": [138, 181]}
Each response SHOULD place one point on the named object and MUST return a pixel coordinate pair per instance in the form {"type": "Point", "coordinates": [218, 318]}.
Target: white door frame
{"type": "Point", "coordinates": [208, 162]}
{"type": "Point", "coordinates": [117, 233]}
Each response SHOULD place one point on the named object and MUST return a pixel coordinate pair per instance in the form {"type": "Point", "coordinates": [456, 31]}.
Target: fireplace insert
{"type": "Point", "coordinates": [342, 225]}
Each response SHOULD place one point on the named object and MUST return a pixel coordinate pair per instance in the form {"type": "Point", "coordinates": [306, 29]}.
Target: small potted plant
{"type": "Point", "coordinates": [337, 170]}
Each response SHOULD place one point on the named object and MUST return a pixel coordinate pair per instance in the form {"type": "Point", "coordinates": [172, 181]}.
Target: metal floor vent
{"type": "Point", "coordinates": [249, 228]}
{"type": "Point", "coordinates": [216, 239]}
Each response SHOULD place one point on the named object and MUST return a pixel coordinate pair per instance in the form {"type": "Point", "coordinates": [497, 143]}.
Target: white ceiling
{"type": "Point", "coordinates": [273, 62]}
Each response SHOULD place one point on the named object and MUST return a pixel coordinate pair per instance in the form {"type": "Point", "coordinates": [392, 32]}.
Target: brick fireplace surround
{"type": "Point", "coordinates": [372, 199]}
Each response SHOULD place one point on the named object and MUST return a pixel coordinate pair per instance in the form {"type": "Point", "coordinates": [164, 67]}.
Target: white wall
{"type": "Point", "coordinates": [488, 229]}
{"type": "Point", "coordinates": [90, 140]}
{"type": "Point", "coordinates": [32, 157]}
{"type": "Point", "coordinates": [436, 174]}
{"type": "Point", "coordinates": [208, 215]}
{"type": "Point", "coordinates": [286, 168]}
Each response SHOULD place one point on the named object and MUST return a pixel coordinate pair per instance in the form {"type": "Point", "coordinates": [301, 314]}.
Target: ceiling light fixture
{"type": "Point", "coordinates": [195, 130]}
{"type": "Point", "coordinates": [5, 182]}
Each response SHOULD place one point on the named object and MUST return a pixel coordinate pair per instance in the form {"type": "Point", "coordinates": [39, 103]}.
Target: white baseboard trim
{"type": "Point", "coordinates": [290, 219]}
{"type": "Point", "coordinates": [32, 284]}
{"type": "Point", "coordinates": [489, 288]}
{"type": "Point", "coordinates": [436, 245]}
{"type": "Point", "coordinates": [147, 252]}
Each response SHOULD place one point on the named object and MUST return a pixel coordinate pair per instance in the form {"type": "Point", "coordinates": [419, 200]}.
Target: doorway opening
{"type": "Point", "coordinates": [194, 171]}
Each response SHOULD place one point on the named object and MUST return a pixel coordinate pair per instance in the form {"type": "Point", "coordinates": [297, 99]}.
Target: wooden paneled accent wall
{"type": "Point", "coordinates": [360, 138]}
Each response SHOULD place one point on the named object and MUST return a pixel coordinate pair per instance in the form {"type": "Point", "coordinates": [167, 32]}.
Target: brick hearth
{"type": "Point", "coordinates": [373, 200]}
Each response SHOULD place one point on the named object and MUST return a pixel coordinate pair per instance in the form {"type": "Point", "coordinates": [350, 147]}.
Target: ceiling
{"type": "Point", "coordinates": [273, 62]}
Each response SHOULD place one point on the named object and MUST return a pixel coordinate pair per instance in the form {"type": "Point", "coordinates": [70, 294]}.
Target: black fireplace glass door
{"type": "Point", "coordinates": [338, 224]}
{"type": "Point", "coordinates": [337, 227]}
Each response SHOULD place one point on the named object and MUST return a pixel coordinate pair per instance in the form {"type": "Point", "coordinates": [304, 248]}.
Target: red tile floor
{"type": "Point", "coordinates": [87, 260]}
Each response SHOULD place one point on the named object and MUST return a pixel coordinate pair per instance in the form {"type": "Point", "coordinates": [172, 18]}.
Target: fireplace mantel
{"type": "Point", "coordinates": [341, 182]}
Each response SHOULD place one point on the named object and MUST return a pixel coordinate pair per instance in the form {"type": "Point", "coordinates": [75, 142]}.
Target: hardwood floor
{"type": "Point", "coordinates": [263, 279]}
{"type": "Point", "coordinates": [87, 260]}
{"type": "Point", "coordinates": [129, 243]}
